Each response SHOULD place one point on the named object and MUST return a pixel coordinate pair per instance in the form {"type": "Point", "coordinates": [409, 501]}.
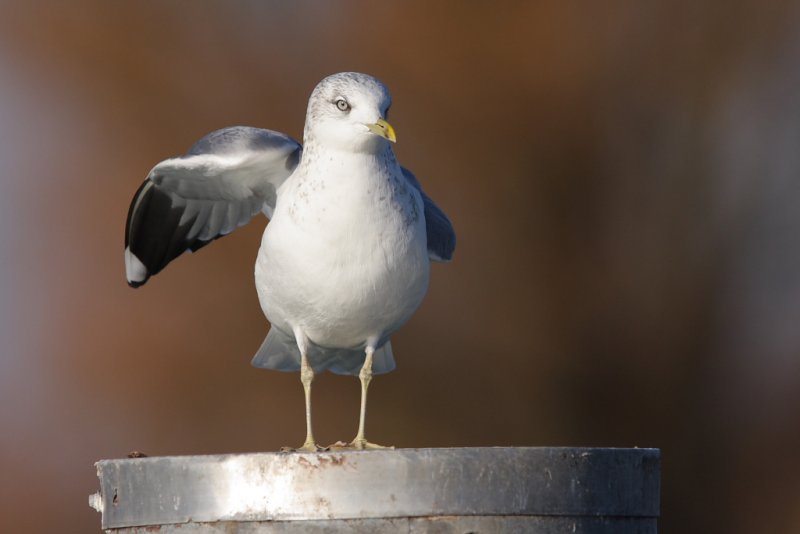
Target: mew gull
{"type": "Point", "coordinates": [345, 259]}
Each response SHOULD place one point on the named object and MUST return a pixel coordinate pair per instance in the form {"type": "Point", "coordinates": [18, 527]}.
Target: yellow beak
{"type": "Point", "coordinates": [384, 129]}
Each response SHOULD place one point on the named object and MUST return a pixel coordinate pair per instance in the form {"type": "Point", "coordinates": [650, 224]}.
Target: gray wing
{"type": "Point", "coordinates": [441, 236]}
{"type": "Point", "coordinates": [186, 202]}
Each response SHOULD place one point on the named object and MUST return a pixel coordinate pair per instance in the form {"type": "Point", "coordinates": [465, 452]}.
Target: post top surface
{"type": "Point", "coordinates": [378, 484]}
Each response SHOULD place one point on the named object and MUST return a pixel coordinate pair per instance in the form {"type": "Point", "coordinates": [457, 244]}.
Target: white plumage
{"type": "Point", "coordinates": [345, 259]}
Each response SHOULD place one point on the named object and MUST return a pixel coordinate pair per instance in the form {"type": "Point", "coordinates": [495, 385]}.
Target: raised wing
{"type": "Point", "coordinates": [221, 183]}
{"type": "Point", "coordinates": [441, 236]}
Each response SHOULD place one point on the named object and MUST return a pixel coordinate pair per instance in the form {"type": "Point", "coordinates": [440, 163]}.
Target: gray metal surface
{"type": "Point", "coordinates": [586, 486]}
{"type": "Point", "coordinates": [416, 525]}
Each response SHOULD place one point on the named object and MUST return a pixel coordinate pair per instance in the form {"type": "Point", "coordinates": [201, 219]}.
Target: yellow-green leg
{"type": "Point", "coordinates": [365, 376]}
{"type": "Point", "coordinates": [307, 377]}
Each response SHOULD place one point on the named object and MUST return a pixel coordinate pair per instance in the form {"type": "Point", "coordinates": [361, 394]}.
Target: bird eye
{"type": "Point", "coordinates": [342, 105]}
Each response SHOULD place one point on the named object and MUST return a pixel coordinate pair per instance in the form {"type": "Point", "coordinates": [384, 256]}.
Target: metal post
{"type": "Point", "coordinates": [487, 490]}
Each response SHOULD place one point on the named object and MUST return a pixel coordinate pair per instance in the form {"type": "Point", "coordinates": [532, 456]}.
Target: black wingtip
{"type": "Point", "coordinates": [154, 235]}
{"type": "Point", "coordinates": [134, 284]}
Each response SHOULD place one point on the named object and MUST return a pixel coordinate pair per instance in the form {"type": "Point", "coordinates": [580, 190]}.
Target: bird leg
{"type": "Point", "coordinates": [306, 377]}
{"type": "Point", "coordinates": [365, 376]}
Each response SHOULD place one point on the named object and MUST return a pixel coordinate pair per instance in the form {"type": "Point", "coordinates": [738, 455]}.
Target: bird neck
{"type": "Point", "coordinates": [323, 140]}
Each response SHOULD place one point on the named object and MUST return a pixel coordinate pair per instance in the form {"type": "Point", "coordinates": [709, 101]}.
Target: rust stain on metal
{"type": "Point", "coordinates": [322, 460]}
{"type": "Point", "coordinates": [324, 505]}
{"type": "Point", "coordinates": [332, 459]}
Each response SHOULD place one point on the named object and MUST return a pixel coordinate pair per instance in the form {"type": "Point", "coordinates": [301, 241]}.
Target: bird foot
{"type": "Point", "coordinates": [357, 444]}
{"type": "Point", "coordinates": [308, 446]}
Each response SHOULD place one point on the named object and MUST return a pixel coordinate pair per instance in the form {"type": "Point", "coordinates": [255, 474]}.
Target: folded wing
{"type": "Point", "coordinates": [221, 183]}
{"type": "Point", "coordinates": [441, 236]}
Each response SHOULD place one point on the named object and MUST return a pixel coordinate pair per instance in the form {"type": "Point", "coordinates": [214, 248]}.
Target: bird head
{"type": "Point", "coordinates": [347, 111]}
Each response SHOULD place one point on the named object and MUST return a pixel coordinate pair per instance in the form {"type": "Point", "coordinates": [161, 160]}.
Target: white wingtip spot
{"type": "Point", "coordinates": [96, 501]}
{"type": "Point", "coordinates": [134, 268]}
{"type": "Point", "coordinates": [435, 257]}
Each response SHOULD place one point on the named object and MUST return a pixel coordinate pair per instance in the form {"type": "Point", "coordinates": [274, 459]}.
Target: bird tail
{"type": "Point", "coordinates": [279, 352]}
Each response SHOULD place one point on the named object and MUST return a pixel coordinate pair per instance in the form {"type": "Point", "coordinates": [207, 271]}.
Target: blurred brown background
{"type": "Point", "coordinates": [624, 179]}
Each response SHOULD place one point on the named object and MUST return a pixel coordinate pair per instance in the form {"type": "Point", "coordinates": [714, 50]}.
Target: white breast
{"type": "Point", "coordinates": [344, 257]}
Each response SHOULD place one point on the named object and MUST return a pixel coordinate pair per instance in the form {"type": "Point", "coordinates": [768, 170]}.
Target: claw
{"type": "Point", "coordinates": [358, 445]}
{"type": "Point", "coordinates": [362, 444]}
{"type": "Point", "coordinates": [306, 447]}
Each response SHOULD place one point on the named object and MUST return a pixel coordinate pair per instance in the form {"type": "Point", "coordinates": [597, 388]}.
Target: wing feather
{"type": "Point", "coordinates": [441, 236]}
{"type": "Point", "coordinates": [216, 221]}
{"type": "Point", "coordinates": [220, 184]}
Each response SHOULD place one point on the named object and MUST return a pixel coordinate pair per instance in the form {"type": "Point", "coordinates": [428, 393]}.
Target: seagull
{"type": "Point", "coordinates": [345, 259]}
